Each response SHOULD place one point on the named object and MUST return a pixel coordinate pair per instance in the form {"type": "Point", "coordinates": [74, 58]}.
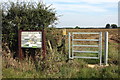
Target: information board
{"type": "Point", "coordinates": [31, 39]}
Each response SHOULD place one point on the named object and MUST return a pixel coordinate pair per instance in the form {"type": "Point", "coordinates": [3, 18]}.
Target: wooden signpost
{"type": "Point", "coordinates": [31, 39]}
{"type": "Point", "coordinates": [63, 40]}
{"type": "Point", "coordinates": [64, 32]}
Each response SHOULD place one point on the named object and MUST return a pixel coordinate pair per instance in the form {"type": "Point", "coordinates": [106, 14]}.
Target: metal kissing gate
{"type": "Point", "coordinates": [72, 46]}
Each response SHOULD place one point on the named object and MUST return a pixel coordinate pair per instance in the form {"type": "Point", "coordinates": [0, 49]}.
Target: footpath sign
{"type": "Point", "coordinates": [31, 39]}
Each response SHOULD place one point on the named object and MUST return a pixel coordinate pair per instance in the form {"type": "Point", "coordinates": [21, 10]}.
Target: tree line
{"type": "Point", "coordinates": [111, 26]}
{"type": "Point", "coordinates": [107, 26]}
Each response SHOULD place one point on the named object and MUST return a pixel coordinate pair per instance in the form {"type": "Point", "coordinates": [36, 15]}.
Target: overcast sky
{"type": "Point", "coordinates": [84, 13]}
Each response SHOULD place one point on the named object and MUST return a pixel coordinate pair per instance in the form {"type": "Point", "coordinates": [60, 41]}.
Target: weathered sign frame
{"type": "Point", "coordinates": [20, 49]}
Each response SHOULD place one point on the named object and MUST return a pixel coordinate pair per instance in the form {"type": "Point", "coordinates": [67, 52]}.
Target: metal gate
{"type": "Point", "coordinates": [72, 51]}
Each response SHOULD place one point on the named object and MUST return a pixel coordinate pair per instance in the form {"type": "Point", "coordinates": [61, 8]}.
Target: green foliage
{"type": "Point", "coordinates": [24, 16]}
{"type": "Point", "coordinates": [54, 36]}
{"type": "Point", "coordinates": [113, 25]}
{"type": "Point", "coordinates": [56, 66]}
{"type": "Point", "coordinates": [77, 27]}
{"type": "Point", "coordinates": [12, 73]}
{"type": "Point", "coordinates": [107, 25]}
{"type": "Point", "coordinates": [109, 71]}
{"type": "Point", "coordinates": [88, 73]}
{"type": "Point", "coordinates": [113, 53]}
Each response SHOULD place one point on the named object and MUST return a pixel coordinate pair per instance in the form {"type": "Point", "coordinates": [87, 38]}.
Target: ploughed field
{"type": "Point", "coordinates": [114, 36]}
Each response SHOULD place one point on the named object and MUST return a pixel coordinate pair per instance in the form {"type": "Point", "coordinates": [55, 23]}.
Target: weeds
{"type": "Point", "coordinates": [57, 65]}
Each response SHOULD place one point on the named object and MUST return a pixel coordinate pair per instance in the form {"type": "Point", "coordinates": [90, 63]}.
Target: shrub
{"type": "Point", "coordinates": [77, 27]}
{"type": "Point", "coordinates": [107, 25]}
{"type": "Point", "coordinates": [113, 25]}
{"type": "Point", "coordinates": [24, 16]}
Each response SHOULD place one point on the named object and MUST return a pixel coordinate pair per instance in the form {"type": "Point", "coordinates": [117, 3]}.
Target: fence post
{"type": "Point", "coordinates": [106, 49]}
{"type": "Point", "coordinates": [72, 46]}
{"type": "Point", "coordinates": [100, 47]}
{"type": "Point", "coordinates": [69, 35]}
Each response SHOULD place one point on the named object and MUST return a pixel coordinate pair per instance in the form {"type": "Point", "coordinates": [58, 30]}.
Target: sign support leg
{"type": "Point", "coordinates": [43, 43]}
{"type": "Point", "coordinates": [20, 51]}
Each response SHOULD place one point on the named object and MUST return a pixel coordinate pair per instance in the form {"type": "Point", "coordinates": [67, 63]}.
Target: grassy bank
{"type": "Point", "coordinates": [57, 65]}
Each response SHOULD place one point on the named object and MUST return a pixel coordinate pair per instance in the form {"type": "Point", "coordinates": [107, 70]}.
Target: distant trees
{"type": "Point", "coordinates": [111, 26]}
{"type": "Point", "coordinates": [77, 27]}
{"type": "Point", "coordinates": [107, 25]}
{"type": "Point", "coordinates": [114, 26]}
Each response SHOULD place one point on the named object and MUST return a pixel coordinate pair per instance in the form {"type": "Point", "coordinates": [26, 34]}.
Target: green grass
{"type": "Point", "coordinates": [57, 65]}
{"type": "Point", "coordinates": [13, 73]}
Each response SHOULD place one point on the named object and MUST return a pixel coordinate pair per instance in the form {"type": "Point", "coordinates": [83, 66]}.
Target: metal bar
{"type": "Point", "coordinates": [85, 39]}
{"type": "Point", "coordinates": [69, 35]}
{"type": "Point", "coordinates": [100, 47]}
{"type": "Point", "coordinates": [86, 57]}
{"type": "Point", "coordinates": [85, 32]}
{"type": "Point", "coordinates": [85, 46]}
{"type": "Point", "coordinates": [106, 49]}
{"type": "Point", "coordinates": [72, 46]}
{"type": "Point", "coordinates": [87, 51]}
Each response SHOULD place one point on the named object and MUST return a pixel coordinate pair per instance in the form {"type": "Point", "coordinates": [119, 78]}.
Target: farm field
{"type": "Point", "coordinates": [113, 33]}
{"type": "Point", "coordinates": [57, 64]}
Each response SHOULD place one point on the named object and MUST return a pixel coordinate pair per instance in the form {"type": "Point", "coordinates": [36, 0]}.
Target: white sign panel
{"type": "Point", "coordinates": [31, 39]}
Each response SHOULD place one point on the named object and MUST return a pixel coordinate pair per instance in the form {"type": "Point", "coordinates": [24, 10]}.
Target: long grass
{"type": "Point", "coordinates": [57, 65]}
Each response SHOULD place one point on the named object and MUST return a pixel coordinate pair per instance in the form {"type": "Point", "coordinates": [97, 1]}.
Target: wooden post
{"type": "Point", "coordinates": [43, 43]}
{"type": "Point", "coordinates": [50, 45]}
{"type": "Point", "coordinates": [63, 40]}
{"type": "Point", "coordinates": [64, 32]}
{"type": "Point", "coordinates": [19, 45]}
{"type": "Point", "coordinates": [63, 44]}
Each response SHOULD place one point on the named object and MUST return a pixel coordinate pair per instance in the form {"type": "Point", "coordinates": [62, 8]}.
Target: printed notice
{"type": "Point", "coordinates": [31, 39]}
